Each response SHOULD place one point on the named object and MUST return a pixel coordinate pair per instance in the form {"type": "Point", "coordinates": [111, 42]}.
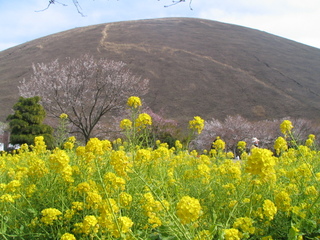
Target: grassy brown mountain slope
{"type": "Point", "coordinates": [195, 67]}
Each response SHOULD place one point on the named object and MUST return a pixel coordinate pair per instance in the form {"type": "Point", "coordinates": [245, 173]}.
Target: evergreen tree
{"type": "Point", "coordinates": [27, 122]}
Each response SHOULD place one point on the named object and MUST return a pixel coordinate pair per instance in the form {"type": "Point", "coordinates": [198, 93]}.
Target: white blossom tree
{"type": "Point", "coordinates": [84, 88]}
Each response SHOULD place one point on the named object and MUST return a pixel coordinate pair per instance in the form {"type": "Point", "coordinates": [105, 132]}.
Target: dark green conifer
{"type": "Point", "coordinates": [27, 122]}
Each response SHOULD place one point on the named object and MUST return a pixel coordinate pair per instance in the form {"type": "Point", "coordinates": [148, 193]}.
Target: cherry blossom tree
{"type": "Point", "coordinates": [84, 88]}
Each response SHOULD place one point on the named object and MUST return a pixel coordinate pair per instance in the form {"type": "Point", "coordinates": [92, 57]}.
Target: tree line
{"type": "Point", "coordinates": [84, 88]}
{"type": "Point", "coordinates": [91, 96]}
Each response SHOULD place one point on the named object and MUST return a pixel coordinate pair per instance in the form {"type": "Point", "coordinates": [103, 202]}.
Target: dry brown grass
{"type": "Point", "coordinates": [195, 67]}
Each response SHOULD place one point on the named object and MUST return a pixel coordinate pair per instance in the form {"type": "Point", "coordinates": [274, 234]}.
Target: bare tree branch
{"type": "Point", "coordinates": [177, 2]}
{"type": "Point", "coordinates": [51, 2]}
{"type": "Point", "coordinates": [79, 9]}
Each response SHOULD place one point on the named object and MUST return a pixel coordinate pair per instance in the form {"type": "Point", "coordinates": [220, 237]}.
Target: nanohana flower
{"type": "Point", "coordinates": [113, 182]}
{"type": "Point", "coordinates": [89, 225]}
{"type": "Point", "coordinates": [7, 198]}
{"type": "Point", "coordinates": [178, 145]}
{"type": "Point", "coordinates": [269, 209]}
{"type": "Point", "coordinates": [143, 156]}
{"type": "Point", "coordinates": [310, 140]}
{"type": "Point", "coordinates": [49, 215]}
{"type": "Point", "coordinates": [261, 162]}
{"type": "Point", "coordinates": [95, 146]}
{"type": "Point", "coordinates": [89, 222]}
{"type": "Point", "coordinates": [93, 199]}
{"type": "Point", "coordinates": [69, 144]}
{"type": "Point", "coordinates": [120, 162]}
{"type": "Point", "coordinates": [39, 145]}
{"type": "Point", "coordinates": [219, 144]}
{"type": "Point", "coordinates": [286, 127]}
{"type": "Point", "coordinates": [68, 236]}
{"type": "Point", "coordinates": [197, 124]}
{"type": "Point", "coordinates": [143, 120]}
{"type": "Point", "coordinates": [283, 201]}
{"type": "Point", "coordinates": [311, 190]}
{"type": "Point", "coordinates": [244, 224]}
{"type": "Point", "coordinates": [188, 209]}
{"type": "Point", "coordinates": [203, 235]}
{"type": "Point", "coordinates": [241, 146]}
{"type": "Point", "coordinates": [13, 185]}
{"type": "Point", "coordinates": [125, 199]}
{"type": "Point", "coordinates": [125, 224]}
{"type": "Point", "coordinates": [267, 238]}
{"type": "Point", "coordinates": [134, 102]}
{"type": "Point", "coordinates": [230, 155]}
{"type": "Point", "coordinates": [58, 160]}
{"type": "Point", "coordinates": [63, 116]}
{"type": "Point", "coordinates": [125, 124]}
{"type": "Point", "coordinates": [280, 145]}
{"type": "Point", "coordinates": [232, 234]}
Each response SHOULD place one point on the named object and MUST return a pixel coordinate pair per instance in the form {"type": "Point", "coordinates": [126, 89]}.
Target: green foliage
{"type": "Point", "coordinates": [166, 137]}
{"type": "Point", "coordinates": [26, 122]}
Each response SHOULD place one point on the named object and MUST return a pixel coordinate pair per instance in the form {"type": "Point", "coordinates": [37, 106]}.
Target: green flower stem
{"type": "Point", "coordinates": [107, 197]}
{"type": "Point", "coordinates": [175, 220]}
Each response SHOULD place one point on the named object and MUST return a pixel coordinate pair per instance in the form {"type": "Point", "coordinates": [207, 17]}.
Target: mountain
{"type": "Point", "coordinates": [195, 66]}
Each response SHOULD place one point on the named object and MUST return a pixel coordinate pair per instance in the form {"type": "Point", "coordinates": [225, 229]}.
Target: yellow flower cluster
{"type": "Point", "coordinates": [7, 198]}
{"type": "Point", "coordinates": [98, 147]}
{"type": "Point", "coordinates": [126, 124]}
{"type": "Point", "coordinates": [113, 183]}
{"type": "Point", "coordinates": [245, 224]}
{"type": "Point", "coordinates": [219, 144]}
{"type": "Point", "coordinates": [241, 145]}
{"type": "Point", "coordinates": [93, 199]}
{"type": "Point", "coordinates": [68, 236]}
{"type": "Point", "coordinates": [188, 209]}
{"type": "Point", "coordinates": [134, 102]}
{"type": "Point", "coordinates": [120, 162]}
{"type": "Point", "coordinates": [63, 116]}
{"type": "Point", "coordinates": [143, 120]}
{"type": "Point", "coordinates": [280, 145]}
{"type": "Point", "coordinates": [286, 127]}
{"type": "Point", "coordinates": [261, 162]}
{"type": "Point", "coordinates": [89, 225]}
{"type": "Point", "coordinates": [310, 140]}
{"type": "Point", "coordinates": [197, 124]}
{"type": "Point", "coordinates": [125, 199]}
{"type": "Point", "coordinates": [39, 145]}
{"type": "Point", "coordinates": [69, 144]}
{"type": "Point", "coordinates": [143, 157]}
{"type": "Point", "coordinates": [152, 208]}
{"type": "Point", "coordinates": [114, 191]}
{"type": "Point", "coordinates": [125, 225]}
{"type": "Point", "coordinates": [283, 201]}
{"type": "Point", "coordinates": [232, 234]}
{"type": "Point", "coordinates": [49, 215]}
{"type": "Point", "coordinates": [269, 209]}
{"type": "Point", "coordinates": [59, 162]}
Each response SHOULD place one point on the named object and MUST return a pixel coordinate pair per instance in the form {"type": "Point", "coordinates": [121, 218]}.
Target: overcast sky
{"type": "Point", "coordinates": [292, 19]}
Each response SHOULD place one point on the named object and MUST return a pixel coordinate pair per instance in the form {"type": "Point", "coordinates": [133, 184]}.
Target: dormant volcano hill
{"type": "Point", "coordinates": [195, 67]}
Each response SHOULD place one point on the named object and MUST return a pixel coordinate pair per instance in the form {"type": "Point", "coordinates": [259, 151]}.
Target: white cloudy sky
{"type": "Point", "coordinates": [293, 19]}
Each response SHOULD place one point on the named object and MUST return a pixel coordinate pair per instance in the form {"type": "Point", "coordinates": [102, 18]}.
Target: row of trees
{"type": "Point", "coordinates": [237, 128]}
{"type": "Point", "coordinates": [85, 89]}
{"type": "Point", "coordinates": [89, 91]}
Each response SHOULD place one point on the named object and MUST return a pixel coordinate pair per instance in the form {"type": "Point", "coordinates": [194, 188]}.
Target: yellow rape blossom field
{"type": "Point", "coordinates": [107, 190]}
